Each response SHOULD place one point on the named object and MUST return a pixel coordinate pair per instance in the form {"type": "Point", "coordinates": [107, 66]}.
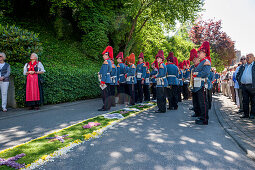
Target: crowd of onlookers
{"type": "Point", "coordinates": [238, 83]}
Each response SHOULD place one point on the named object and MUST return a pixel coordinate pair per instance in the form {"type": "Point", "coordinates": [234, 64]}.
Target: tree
{"type": "Point", "coordinates": [221, 44]}
{"type": "Point", "coordinates": [166, 12]}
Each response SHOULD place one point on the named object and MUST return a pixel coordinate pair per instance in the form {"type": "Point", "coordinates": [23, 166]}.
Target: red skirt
{"type": "Point", "coordinates": [32, 88]}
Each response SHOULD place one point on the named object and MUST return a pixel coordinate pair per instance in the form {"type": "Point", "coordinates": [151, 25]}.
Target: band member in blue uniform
{"type": "Point", "coordinates": [186, 77]}
{"type": "Point", "coordinates": [121, 77]}
{"type": "Point", "coordinates": [105, 78]}
{"type": "Point", "coordinates": [153, 73]}
{"type": "Point", "coordinates": [146, 85]}
{"type": "Point", "coordinates": [180, 77]}
{"type": "Point", "coordinates": [131, 78]}
{"type": "Point", "coordinates": [113, 83]}
{"type": "Point", "coordinates": [209, 90]}
{"type": "Point", "coordinates": [201, 74]}
{"type": "Point", "coordinates": [194, 58]}
{"type": "Point", "coordinates": [161, 83]}
{"type": "Point", "coordinates": [216, 82]}
{"type": "Point", "coordinates": [172, 79]}
{"type": "Point", "coordinates": [140, 75]}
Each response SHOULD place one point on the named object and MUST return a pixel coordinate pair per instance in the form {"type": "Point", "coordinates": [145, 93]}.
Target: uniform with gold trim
{"type": "Point", "coordinates": [146, 85]}
{"type": "Point", "coordinates": [105, 78]}
{"type": "Point", "coordinates": [153, 73]}
{"type": "Point", "coordinates": [140, 75]}
{"type": "Point", "coordinates": [161, 83]}
{"type": "Point", "coordinates": [131, 78]}
{"type": "Point", "coordinates": [121, 78]}
{"type": "Point", "coordinates": [201, 74]}
{"type": "Point", "coordinates": [113, 83]}
{"type": "Point", "coordinates": [172, 79]}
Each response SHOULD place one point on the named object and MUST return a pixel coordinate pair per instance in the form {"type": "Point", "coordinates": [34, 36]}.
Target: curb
{"type": "Point", "coordinates": [250, 151]}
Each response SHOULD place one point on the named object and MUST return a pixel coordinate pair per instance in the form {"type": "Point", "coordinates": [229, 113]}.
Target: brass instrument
{"type": "Point", "coordinates": [191, 82]}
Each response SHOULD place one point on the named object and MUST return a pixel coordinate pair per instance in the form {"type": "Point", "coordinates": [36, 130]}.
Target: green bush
{"type": "Point", "coordinates": [62, 84]}
{"type": "Point", "coordinates": [18, 43]}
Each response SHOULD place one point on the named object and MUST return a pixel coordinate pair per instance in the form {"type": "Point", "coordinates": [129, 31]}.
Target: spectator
{"type": "Point", "coordinates": [231, 84]}
{"type": "Point", "coordinates": [5, 71]}
{"type": "Point", "coordinates": [34, 92]}
{"type": "Point", "coordinates": [246, 76]}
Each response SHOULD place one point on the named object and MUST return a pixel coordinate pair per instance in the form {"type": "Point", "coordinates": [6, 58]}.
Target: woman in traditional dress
{"type": "Point", "coordinates": [34, 91]}
{"type": "Point", "coordinates": [5, 71]}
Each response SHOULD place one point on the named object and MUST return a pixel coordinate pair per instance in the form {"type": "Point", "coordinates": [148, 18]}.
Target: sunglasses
{"type": "Point", "coordinates": [243, 59]}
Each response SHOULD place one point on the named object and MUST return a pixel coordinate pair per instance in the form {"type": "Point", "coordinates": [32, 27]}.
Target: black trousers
{"type": "Point", "coordinates": [196, 104]}
{"type": "Point", "coordinates": [161, 99]}
{"type": "Point", "coordinates": [185, 91]}
{"type": "Point", "coordinates": [201, 104]}
{"type": "Point", "coordinates": [209, 97]}
{"type": "Point", "coordinates": [179, 93]}
{"type": "Point", "coordinates": [112, 95]}
{"type": "Point", "coordinates": [172, 96]}
{"type": "Point", "coordinates": [131, 88]}
{"type": "Point", "coordinates": [146, 91]}
{"type": "Point", "coordinates": [106, 97]}
{"type": "Point", "coordinates": [248, 97]}
{"type": "Point", "coordinates": [121, 93]}
{"type": "Point", "coordinates": [139, 94]}
{"type": "Point", "coordinates": [215, 88]}
{"type": "Point", "coordinates": [153, 91]}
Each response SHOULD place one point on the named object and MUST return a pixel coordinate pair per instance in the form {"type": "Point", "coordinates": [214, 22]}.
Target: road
{"type": "Point", "coordinates": [168, 140]}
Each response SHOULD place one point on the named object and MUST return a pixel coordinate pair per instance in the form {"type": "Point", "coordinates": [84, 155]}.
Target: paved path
{"type": "Point", "coordinates": [19, 126]}
{"type": "Point", "coordinates": [152, 141]}
{"type": "Point", "coordinates": [241, 130]}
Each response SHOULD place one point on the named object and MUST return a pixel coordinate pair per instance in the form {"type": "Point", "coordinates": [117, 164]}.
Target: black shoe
{"type": "Point", "coordinates": [251, 117]}
{"type": "Point", "coordinates": [201, 122]}
{"type": "Point", "coordinates": [192, 108]}
{"type": "Point", "coordinates": [240, 111]}
{"type": "Point", "coordinates": [195, 115]}
{"type": "Point", "coordinates": [170, 108]}
{"type": "Point", "coordinates": [114, 105]}
{"type": "Point", "coordinates": [102, 109]}
{"type": "Point", "coordinates": [244, 116]}
{"type": "Point", "coordinates": [158, 111]}
{"type": "Point", "coordinates": [175, 108]}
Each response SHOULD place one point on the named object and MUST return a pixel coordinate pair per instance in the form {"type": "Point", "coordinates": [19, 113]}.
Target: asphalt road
{"type": "Point", "coordinates": [19, 126]}
{"type": "Point", "coordinates": [154, 141]}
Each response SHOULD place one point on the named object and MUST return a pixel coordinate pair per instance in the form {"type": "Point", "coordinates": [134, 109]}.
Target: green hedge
{"type": "Point", "coordinates": [62, 84]}
{"type": "Point", "coordinates": [18, 43]}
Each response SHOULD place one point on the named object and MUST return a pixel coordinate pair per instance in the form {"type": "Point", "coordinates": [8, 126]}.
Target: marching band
{"type": "Point", "coordinates": [170, 80]}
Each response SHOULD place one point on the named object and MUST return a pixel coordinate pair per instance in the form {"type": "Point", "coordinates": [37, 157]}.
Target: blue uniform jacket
{"type": "Point", "coordinates": [172, 74]}
{"type": "Point", "coordinates": [210, 80]}
{"type": "Point", "coordinates": [141, 71]}
{"type": "Point", "coordinates": [147, 78]}
{"type": "Point", "coordinates": [121, 73]}
{"type": "Point", "coordinates": [154, 72]}
{"type": "Point", "coordinates": [131, 79]}
{"type": "Point", "coordinates": [202, 71]}
{"type": "Point", "coordinates": [162, 74]}
{"type": "Point", "coordinates": [105, 71]}
{"type": "Point", "coordinates": [180, 77]}
{"type": "Point", "coordinates": [114, 75]}
{"type": "Point", "coordinates": [186, 76]}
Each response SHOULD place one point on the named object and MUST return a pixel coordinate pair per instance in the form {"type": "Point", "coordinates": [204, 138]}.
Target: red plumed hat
{"type": "Point", "coordinates": [181, 65]}
{"type": "Point", "coordinates": [205, 47]}
{"type": "Point", "coordinates": [170, 56]}
{"type": "Point", "coordinates": [188, 62]}
{"type": "Point", "coordinates": [193, 54]}
{"type": "Point", "coordinates": [141, 55]}
{"type": "Point", "coordinates": [176, 61]}
{"type": "Point", "coordinates": [156, 64]}
{"type": "Point", "coordinates": [148, 65]}
{"type": "Point", "coordinates": [120, 55]}
{"type": "Point", "coordinates": [160, 55]}
{"type": "Point", "coordinates": [131, 58]}
{"type": "Point", "coordinates": [108, 50]}
{"type": "Point", "coordinates": [184, 63]}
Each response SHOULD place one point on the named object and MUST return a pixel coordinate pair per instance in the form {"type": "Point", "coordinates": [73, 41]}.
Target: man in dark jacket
{"type": "Point", "coordinates": [246, 77]}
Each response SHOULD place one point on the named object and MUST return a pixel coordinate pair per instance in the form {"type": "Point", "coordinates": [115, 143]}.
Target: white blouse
{"type": "Point", "coordinates": [39, 65]}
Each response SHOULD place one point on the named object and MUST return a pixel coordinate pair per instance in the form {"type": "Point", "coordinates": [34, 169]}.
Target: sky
{"type": "Point", "coordinates": [238, 21]}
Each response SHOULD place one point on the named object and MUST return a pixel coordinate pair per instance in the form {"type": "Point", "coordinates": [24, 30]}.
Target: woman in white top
{"type": "Point", "coordinates": [5, 71]}
{"type": "Point", "coordinates": [34, 91]}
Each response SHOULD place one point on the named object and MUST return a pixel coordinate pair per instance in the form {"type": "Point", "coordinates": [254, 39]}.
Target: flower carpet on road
{"type": "Point", "coordinates": [36, 152]}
